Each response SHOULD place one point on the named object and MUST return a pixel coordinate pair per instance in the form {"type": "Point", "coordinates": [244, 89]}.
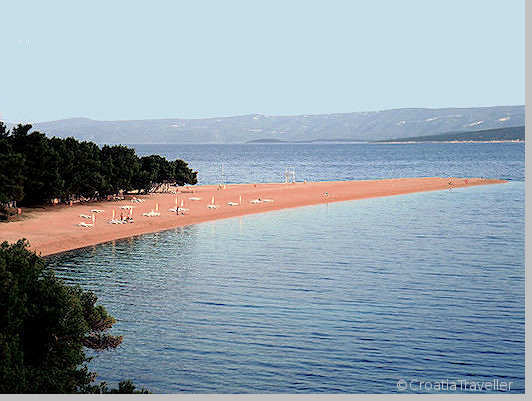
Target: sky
{"type": "Point", "coordinates": [124, 60]}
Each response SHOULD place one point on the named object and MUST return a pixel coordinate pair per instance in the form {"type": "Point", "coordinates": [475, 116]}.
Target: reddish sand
{"type": "Point", "coordinates": [55, 229]}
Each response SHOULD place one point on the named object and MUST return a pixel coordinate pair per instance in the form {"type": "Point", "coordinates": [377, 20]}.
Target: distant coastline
{"type": "Point", "coordinates": [339, 140]}
{"type": "Point", "coordinates": [271, 142]}
{"type": "Point", "coordinates": [411, 142]}
{"type": "Point", "coordinates": [495, 135]}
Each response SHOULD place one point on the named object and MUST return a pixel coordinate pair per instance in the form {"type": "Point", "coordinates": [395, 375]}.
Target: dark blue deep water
{"type": "Point", "coordinates": [345, 297]}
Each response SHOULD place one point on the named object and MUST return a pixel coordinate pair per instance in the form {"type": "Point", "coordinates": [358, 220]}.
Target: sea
{"type": "Point", "coordinates": [416, 293]}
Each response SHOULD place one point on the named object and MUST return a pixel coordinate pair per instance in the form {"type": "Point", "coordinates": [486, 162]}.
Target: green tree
{"type": "Point", "coordinates": [68, 165]}
{"type": "Point", "coordinates": [152, 170]}
{"type": "Point", "coordinates": [120, 166]}
{"type": "Point", "coordinates": [11, 165]}
{"type": "Point", "coordinates": [41, 170]}
{"type": "Point", "coordinates": [88, 180]}
{"type": "Point", "coordinates": [182, 174]}
{"type": "Point", "coordinates": [44, 327]}
{"type": "Point", "coordinates": [35, 169]}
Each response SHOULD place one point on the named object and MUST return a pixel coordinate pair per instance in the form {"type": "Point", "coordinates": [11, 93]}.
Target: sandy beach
{"type": "Point", "coordinates": [55, 229]}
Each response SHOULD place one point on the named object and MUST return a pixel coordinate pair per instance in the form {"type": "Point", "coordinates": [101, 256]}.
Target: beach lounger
{"type": "Point", "coordinates": [151, 214]}
{"type": "Point", "coordinates": [267, 200]}
{"type": "Point", "coordinates": [255, 201]}
{"type": "Point", "coordinates": [97, 211]}
{"type": "Point", "coordinates": [180, 209]}
{"type": "Point", "coordinates": [85, 216]}
{"type": "Point", "coordinates": [211, 206]}
{"type": "Point", "coordinates": [194, 199]}
{"type": "Point", "coordinates": [232, 203]}
{"type": "Point", "coordinates": [83, 224]}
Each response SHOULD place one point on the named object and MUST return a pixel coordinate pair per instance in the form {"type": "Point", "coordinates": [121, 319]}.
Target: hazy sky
{"type": "Point", "coordinates": [156, 59]}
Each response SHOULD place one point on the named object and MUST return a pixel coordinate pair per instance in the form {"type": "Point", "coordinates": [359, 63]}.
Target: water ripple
{"type": "Point", "coordinates": [348, 298]}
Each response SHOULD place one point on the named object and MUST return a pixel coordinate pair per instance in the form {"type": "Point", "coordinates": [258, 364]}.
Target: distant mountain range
{"type": "Point", "coordinates": [358, 126]}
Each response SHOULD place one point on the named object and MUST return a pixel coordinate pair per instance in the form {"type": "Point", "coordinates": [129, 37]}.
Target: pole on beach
{"type": "Point", "coordinates": [156, 206]}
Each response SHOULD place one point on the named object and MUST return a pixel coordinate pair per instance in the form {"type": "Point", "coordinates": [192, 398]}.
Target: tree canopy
{"type": "Point", "coordinates": [35, 169]}
{"type": "Point", "coordinates": [45, 326]}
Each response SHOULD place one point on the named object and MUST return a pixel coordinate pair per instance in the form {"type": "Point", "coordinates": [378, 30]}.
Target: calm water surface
{"type": "Point", "coordinates": [345, 297]}
{"type": "Point", "coordinates": [318, 162]}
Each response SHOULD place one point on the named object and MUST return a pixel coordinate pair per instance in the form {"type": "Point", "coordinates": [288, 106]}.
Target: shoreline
{"type": "Point", "coordinates": [54, 229]}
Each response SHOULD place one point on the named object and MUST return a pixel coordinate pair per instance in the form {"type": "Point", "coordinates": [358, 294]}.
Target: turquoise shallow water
{"type": "Point", "coordinates": [345, 297]}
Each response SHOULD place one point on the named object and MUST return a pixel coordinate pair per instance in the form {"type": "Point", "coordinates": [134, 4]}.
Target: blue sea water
{"type": "Point", "coordinates": [343, 297]}
{"type": "Point", "coordinates": [319, 162]}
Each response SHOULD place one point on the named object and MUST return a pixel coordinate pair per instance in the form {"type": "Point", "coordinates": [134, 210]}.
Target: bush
{"type": "Point", "coordinates": [44, 327]}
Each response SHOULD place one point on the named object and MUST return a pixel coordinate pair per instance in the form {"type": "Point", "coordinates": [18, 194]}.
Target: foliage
{"type": "Point", "coordinates": [11, 164]}
{"type": "Point", "coordinates": [35, 169]}
{"type": "Point", "coordinates": [44, 327]}
{"type": "Point", "coordinates": [124, 387]}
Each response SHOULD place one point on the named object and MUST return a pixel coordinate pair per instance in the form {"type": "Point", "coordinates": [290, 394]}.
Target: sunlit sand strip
{"type": "Point", "coordinates": [56, 229]}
